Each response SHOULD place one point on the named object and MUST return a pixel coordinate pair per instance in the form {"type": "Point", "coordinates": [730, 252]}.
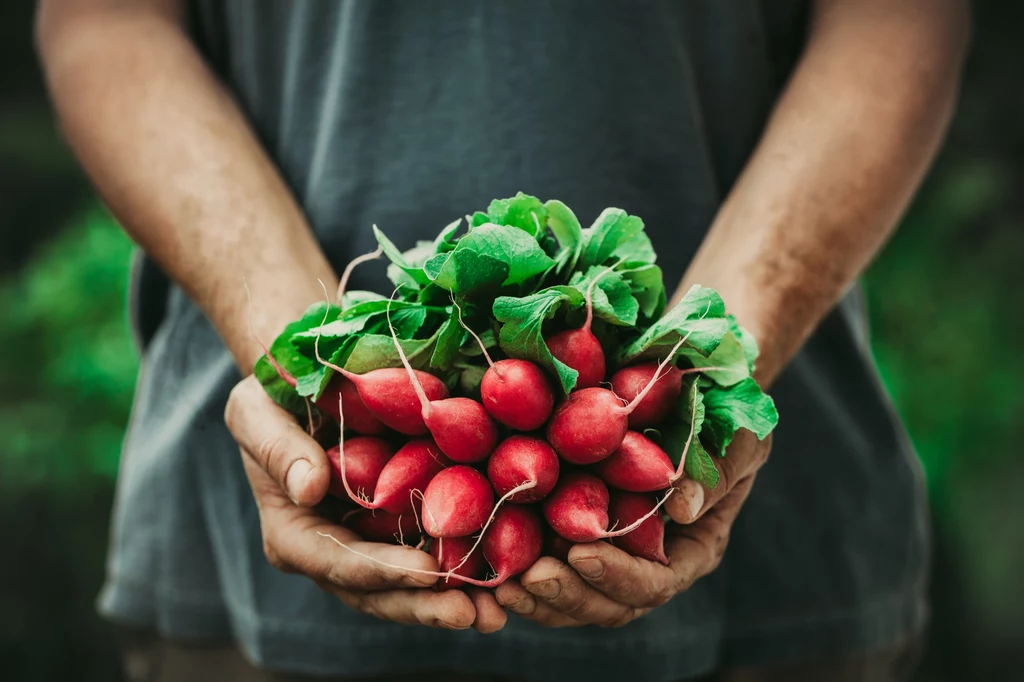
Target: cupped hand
{"type": "Point", "coordinates": [289, 474]}
{"type": "Point", "coordinates": [602, 585]}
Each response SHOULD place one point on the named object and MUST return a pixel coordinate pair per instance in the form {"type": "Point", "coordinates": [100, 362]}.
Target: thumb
{"type": "Point", "coordinates": [276, 442]}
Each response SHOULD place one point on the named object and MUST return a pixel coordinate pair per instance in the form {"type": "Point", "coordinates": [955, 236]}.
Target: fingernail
{"type": "Point", "coordinates": [450, 626]}
{"type": "Point", "coordinates": [296, 478]}
{"type": "Point", "coordinates": [523, 607]}
{"type": "Point", "coordinates": [693, 493]}
{"type": "Point", "coordinates": [589, 568]}
{"type": "Point", "coordinates": [545, 589]}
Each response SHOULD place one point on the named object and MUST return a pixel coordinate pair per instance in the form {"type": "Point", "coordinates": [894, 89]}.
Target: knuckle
{"type": "Point", "coordinates": [274, 557]}
{"type": "Point", "coordinates": [234, 406]}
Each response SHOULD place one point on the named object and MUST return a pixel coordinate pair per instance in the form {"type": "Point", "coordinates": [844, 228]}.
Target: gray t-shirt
{"type": "Point", "coordinates": [408, 114]}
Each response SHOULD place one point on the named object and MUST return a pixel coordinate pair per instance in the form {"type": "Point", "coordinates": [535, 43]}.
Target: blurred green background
{"type": "Point", "coordinates": [946, 299]}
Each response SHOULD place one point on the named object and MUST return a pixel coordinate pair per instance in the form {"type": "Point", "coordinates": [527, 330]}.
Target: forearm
{"type": "Point", "coordinates": [844, 151]}
{"type": "Point", "coordinates": [178, 165]}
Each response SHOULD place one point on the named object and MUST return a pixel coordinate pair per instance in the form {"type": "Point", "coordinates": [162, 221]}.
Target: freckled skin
{"type": "Point", "coordinates": [365, 459]}
{"type": "Point", "coordinates": [457, 502]}
{"type": "Point", "coordinates": [519, 459]}
{"type": "Point", "coordinates": [588, 426]}
{"type": "Point", "coordinates": [637, 465]}
{"type": "Point", "coordinates": [462, 429]}
{"type": "Point", "coordinates": [518, 394]}
{"type": "Point", "coordinates": [411, 468]}
{"type": "Point", "coordinates": [389, 395]}
{"type": "Point", "coordinates": [578, 508]}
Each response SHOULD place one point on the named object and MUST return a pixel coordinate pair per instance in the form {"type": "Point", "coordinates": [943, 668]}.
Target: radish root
{"type": "Point", "coordinates": [528, 485]}
{"type": "Point", "coordinates": [343, 284]}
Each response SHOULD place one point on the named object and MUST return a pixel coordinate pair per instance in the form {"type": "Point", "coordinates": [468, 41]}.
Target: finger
{"type": "Point", "coordinates": [696, 549]}
{"type": "Point", "coordinates": [744, 457]}
{"type": "Point", "coordinates": [623, 578]}
{"type": "Point", "coordinates": [490, 617]}
{"type": "Point", "coordinates": [516, 599]}
{"type": "Point", "coordinates": [297, 539]}
{"type": "Point", "coordinates": [555, 584]}
{"type": "Point", "coordinates": [451, 609]}
{"type": "Point", "coordinates": [275, 441]}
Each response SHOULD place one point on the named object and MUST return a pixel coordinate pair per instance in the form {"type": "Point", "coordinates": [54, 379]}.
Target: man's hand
{"type": "Point", "coordinates": [289, 473]}
{"type": "Point", "coordinates": [605, 586]}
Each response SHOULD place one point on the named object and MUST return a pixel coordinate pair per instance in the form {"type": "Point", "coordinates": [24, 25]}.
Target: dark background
{"type": "Point", "coordinates": [946, 299]}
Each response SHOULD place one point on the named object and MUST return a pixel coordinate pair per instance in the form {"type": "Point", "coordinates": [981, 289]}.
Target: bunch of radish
{"type": "Point", "coordinates": [522, 390]}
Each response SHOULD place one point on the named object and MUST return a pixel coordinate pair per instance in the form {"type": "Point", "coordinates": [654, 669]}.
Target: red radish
{"type": "Point", "coordinates": [511, 545]}
{"type": "Point", "coordinates": [365, 458]}
{"type": "Point", "coordinates": [381, 526]}
{"type": "Point", "coordinates": [638, 465]}
{"type": "Point", "coordinates": [518, 394]}
{"type": "Point", "coordinates": [519, 459]}
{"type": "Point", "coordinates": [628, 382]}
{"type": "Point", "coordinates": [588, 426]}
{"type": "Point", "coordinates": [456, 502]}
{"type": "Point", "coordinates": [591, 423]}
{"type": "Point", "coordinates": [578, 509]}
{"type": "Point", "coordinates": [357, 416]}
{"type": "Point", "coordinates": [451, 555]}
{"type": "Point", "coordinates": [557, 546]}
{"type": "Point", "coordinates": [460, 426]}
{"type": "Point", "coordinates": [515, 392]}
{"type": "Point", "coordinates": [646, 540]}
{"type": "Point", "coordinates": [579, 348]}
{"type": "Point", "coordinates": [411, 468]}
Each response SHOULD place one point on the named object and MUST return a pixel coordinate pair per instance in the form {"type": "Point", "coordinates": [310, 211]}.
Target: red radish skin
{"type": "Point", "coordinates": [451, 555]}
{"type": "Point", "coordinates": [365, 459]}
{"type": "Point", "coordinates": [376, 525]}
{"type": "Point", "coordinates": [588, 426]}
{"type": "Point", "coordinates": [511, 545]}
{"type": "Point", "coordinates": [556, 546]}
{"type": "Point", "coordinates": [390, 395]}
{"type": "Point", "coordinates": [578, 508]}
{"type": "Point", "coordinates": [457, 502]}
{"type": "Point", "coordinates": [646, 540]}
{"type": "Point", "coordinates": [460, 426]}
{"type": "Point", "coordinates": [628, 382]}
{"type": "Point", "coordinates": [637, 465]}
{"type": "Point", "coordinates": [357, 416]}
{"type": "Point", "coordinates": [580, 350]}
{"type": "Point", "coordinates": [519, 459]}
{"type": "Point", "coordinates": [513, 542]}
{"type": "Point", "coordinates": [411, 468]}
{"type": "Point", "coordinates": [518, 394]}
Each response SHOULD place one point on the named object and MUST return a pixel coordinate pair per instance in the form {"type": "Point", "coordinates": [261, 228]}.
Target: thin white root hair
{"type": "Point", "coordinates": [504, 498]}
{"type": "Point", "coordinates": [483, 348]}
{"type": "Point", "coordinates": [689, 439]}
{"type": "Point", "coordinates": [661, 367]}
{"type": "Point", "coordinates": [636, 524]}
{"type": "Point", "coordinates": [343, 284]}
{"type": "Point", "coordinates": [416, 386]}
{"type": "Point", "coordinates": [416, 571]}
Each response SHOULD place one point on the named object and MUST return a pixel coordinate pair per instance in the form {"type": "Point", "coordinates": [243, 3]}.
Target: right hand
{"type": "Point", "coordinates": [289, 473]}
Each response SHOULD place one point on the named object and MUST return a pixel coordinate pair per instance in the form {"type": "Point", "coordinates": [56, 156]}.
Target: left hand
{"type": "Point", "coordinates": [602, 585]}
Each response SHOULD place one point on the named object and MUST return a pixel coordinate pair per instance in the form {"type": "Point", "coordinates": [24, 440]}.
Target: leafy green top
{"type": "Point", "coordinates": [519, 273]}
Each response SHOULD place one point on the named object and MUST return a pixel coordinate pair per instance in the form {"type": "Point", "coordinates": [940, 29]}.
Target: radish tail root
{"type": "Point", "coordinates": [636, 524]}
{"type": "Point", "coordinates": [343, 284]}
{"type": "Point", "coordinates": [504, 498]}
{"type": "Point", "coordinates": [590, 295]}
{"type": "Point", "coordinates": [420, 393]}
{"type": "Point", "coordinates": [689, 439]}
{"type": "Point", "coordinates": [479, 341]}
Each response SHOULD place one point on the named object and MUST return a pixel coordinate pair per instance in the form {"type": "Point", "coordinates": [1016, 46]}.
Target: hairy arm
{"type": "Point", "coordinates": [174, 159]}
{"type": "Point", "coordinates": [843, 153]}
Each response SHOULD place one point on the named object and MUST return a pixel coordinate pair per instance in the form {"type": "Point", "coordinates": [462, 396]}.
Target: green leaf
{"type": "Point", "coordinates": [729, 356]}
{"type": "Point", "coordinates": [291, 359]}
{"type": "Point", "coordinates": [278, 389]}
{"type": "Point", "coordinates": [700, 314]}
{"type": "Point", "coordinates": [566, 228]}
{"type": "Point", "coordinates": [415, 273]}
{"type": "Point", "coordinates": [612, 297]}
{"type": "Point", "coordinates": [522, 211]}
{"type": "Point", "coordinates": [484, 254]}
{"type": "Point", "coordinates": [354, 298]}
{"type": "Point", "coordinates": [741, 406]}
{"type": "Point", "coordinates": [523, 319]}
{"type": "Point", "coordinates": [470, 379]}
{"type": "Point", "coordinates": [648, 288]}
{"type": "Point", "coordinates": [612, 229]}
{"type": "Point", "coordinates": [699, 466]}
{"type": "Point", "coordinates": [636, 251]}
{"type": "Point", "coordinates": [466, 271]}
{"type": "Point", "coordinates": [449, 340]}
{"type": "Point", "coordinates": [374, 351]}
{"type": "Point", "coordinates": [746, 340]}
